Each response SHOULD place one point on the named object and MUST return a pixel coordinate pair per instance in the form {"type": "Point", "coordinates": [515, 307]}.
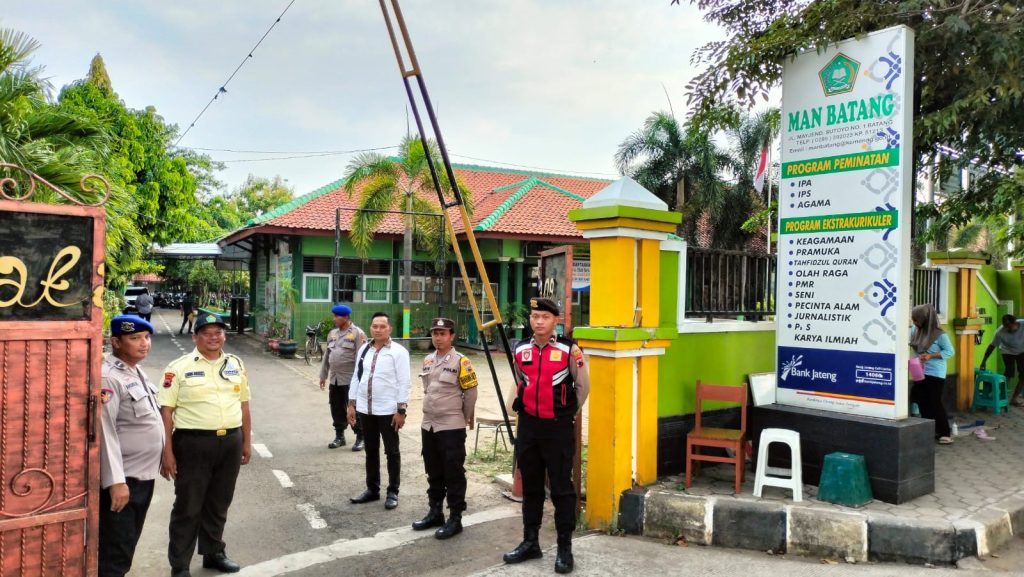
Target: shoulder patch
{"type": "Point", "coordinates": [106, 395]}
{"type": "Point", "coordinates": [467, 376]}
{"type": "Point", "coordinates": [168, 380]}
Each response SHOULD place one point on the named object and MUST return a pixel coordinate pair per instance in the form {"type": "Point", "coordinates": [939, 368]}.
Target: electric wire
{"type": "Point", "coordinates": [223, 87]}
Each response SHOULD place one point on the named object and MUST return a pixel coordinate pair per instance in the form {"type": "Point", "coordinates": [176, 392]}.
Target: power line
{"type": "Point", "coordinates": [299, 154]}
{"type": "Point", "coordinates": [313, 152]}
{"type": "Point", "coordinates": [223, 87]}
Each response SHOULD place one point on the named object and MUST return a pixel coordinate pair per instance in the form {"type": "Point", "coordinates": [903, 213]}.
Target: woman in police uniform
{"type": "Point", "coordinates": [133, 439]}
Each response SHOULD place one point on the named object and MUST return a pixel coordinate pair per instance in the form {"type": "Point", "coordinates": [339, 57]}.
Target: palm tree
{"type": "Point", "coordinates": [386, 183]}
{"type": "Point", "coordinates": [675, 162]}
{"type": "Point", "coordinates": [34, 134]}
{"type": "Point", "coordinates": [749, 134]}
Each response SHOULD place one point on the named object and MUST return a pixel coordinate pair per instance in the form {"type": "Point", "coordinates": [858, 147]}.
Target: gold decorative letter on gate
{"type": "Point", "coordinates": [64, 261]}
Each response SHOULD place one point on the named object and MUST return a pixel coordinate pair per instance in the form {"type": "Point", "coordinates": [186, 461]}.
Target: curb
{"type": "Point", "coordinates": [787, 527]}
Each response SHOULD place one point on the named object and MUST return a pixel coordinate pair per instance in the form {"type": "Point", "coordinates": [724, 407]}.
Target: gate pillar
{"type": "Point", "coordinates": [625, 224]}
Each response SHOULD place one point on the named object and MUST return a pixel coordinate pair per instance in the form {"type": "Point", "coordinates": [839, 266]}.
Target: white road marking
{"type": "Point", "coordinates": [282, 478]}
{"type": "Point", "coordinates": [309, 511]}
{"type": "Point", "coordinates": [344, 548]}
{"type": "Point", "coordinates": [262, 450]}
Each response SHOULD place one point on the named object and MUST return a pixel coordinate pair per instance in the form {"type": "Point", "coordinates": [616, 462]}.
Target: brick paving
{"type": "Point", "coordinates": [970, 475]}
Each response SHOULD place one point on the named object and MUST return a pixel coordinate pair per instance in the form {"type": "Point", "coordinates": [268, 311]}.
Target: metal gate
{"type": "Point", "coordinates": [51, 279]}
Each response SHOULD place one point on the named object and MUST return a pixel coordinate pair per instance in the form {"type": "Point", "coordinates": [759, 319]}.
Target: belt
{"type": "Point", "coordinates": [206, 432]}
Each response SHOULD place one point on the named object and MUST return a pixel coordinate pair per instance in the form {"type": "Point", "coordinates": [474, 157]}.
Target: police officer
{"type": "Point", "coordinates": [133, 439]}
{"type": "Point", "coordinates": [552, 385]}
{"type": "Point", "coordinates": [449, 399]}
{"type": "Point", "coordinates": [339, 363]}
{"type": "Point", "coordinates": [205, 398]}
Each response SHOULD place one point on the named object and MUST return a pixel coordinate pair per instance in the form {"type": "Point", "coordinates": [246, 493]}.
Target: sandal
{"type": "Point", "coordinates": [945, 441]}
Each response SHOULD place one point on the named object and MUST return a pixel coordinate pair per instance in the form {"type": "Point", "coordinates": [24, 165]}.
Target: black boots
{"type": "Point", "coordinates": [358, 446]}
{"type": "Point", "coordinates": [452, 528]}
{"type": "Point", "coordinates": [528, 549]}
{"type": "Point", "coordinates": [563, 561]}
{"type": "Point", "coordinates": [434, 518]}
{"type": "Point", "coordinates": [220, 562]}
{"type": "Point", "coordinates": [339, 441]}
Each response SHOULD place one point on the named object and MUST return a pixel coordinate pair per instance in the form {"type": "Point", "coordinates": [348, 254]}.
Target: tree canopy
{"type": "Point", "coordinates": [969, 85]}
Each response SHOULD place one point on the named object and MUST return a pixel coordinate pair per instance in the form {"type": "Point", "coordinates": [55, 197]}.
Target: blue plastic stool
{"type": "Point", "coordinates": [990, 391]}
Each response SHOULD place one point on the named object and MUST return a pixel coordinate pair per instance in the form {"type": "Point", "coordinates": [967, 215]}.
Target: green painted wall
{"type": "Point", "coordinates": [509, 247]}
{"type": "Point", "coordinates": [324, 246]}
{"type": "Point", "coordinates": [1010, 289]}
{"type": "Point", "coordinates": [720, 358]}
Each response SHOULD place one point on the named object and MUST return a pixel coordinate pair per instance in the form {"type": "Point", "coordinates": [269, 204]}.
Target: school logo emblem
{"type": "Point", "coordinates": [211, 319]}
{"type": "Point", "coordinates": [839, 75]}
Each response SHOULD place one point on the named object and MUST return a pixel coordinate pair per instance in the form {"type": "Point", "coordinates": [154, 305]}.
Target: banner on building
{"type": "Point", "coordinates": [844, 226]}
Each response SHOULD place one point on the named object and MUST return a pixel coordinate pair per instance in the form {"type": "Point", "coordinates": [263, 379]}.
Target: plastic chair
{"type": "Point", "coordinates": [498, 424]}
{"type": "Point", "coordinates": [990, 391]}
{"type": "Point", "coordinates": [731, 439]}
{"type": "Point", "coordinates": [791, 478]}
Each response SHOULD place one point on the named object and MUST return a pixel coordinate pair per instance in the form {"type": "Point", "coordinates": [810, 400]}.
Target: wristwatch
{"type": "Point", "coordinates": [401, 411]}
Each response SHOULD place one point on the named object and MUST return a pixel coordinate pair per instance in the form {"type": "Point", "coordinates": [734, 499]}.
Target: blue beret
{"type": "Point", "coordinates": [343, 310]}
{"type": "Point", "coordinates": [129, 325]}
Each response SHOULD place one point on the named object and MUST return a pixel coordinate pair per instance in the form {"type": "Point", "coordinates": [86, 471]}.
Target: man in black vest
{"type": "Point", "coordinates": [552, 385]}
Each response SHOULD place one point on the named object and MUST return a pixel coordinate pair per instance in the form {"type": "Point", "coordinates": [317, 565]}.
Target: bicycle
{"type": "Point", "coordinates": [313, 351]}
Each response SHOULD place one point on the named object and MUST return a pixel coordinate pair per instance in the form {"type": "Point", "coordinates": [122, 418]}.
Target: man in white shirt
{"type": "Point", "coordinates": [380, 395]}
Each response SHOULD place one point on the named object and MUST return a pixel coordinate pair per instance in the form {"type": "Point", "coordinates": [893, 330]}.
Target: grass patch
{"type": "Point", "coordinates": [488, 464]}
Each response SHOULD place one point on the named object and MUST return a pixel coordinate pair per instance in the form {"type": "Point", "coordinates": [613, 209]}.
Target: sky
{"type": "Point", "coordinates": [538, 84]}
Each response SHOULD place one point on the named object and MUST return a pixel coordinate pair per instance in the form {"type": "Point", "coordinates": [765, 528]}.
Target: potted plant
{"type": "Point", "coordinates": [515, 315]}
{"type": "Point", "coordinates": [289, 298]}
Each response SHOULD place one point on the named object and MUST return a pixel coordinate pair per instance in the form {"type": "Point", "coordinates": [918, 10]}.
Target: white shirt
{"type": "Point", "coordinates": [385, 381]}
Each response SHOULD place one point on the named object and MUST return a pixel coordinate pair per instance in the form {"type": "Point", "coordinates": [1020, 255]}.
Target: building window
{"type": "Point", "coordinates": [376, 289]}
{"type": "Point", "coordinates": [316, 288]}
{"type": "Point", "coordinates": [419, 284]}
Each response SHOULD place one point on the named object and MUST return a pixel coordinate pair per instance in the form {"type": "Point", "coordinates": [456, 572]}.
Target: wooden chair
{"type": "Point", "coordinates": [701, 436]}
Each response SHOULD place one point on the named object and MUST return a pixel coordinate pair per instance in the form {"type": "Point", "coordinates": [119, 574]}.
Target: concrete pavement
{"type": "Point", "coordinates": [291, 514]}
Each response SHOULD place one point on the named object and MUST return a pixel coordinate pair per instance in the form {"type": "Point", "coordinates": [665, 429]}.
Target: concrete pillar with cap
{"type": "Point", "coordinates": [625, 224]}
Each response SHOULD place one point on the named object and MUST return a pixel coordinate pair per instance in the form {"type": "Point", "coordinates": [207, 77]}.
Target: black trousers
{"type": "Point", "coordinates": [146, 316]}
{"type": "Point", "coordinates": [119, 532]}
{"type": "Point", "coordinates": [375, 429]}
{"type": "Point", "coordinates": [444, 458]}
{"type": "Point", "coordinates": [928, 396]}
{"type": "Point", "coordinates": [207, 469]}
{"type": "Point", "coordinates": [337, 396]}
{"type": "Point", "coordinates": [547, 446]}
{"type": "Point", "coordinates": [1013, 365]}
{"type": "Point", "coordinates": [185, 321]}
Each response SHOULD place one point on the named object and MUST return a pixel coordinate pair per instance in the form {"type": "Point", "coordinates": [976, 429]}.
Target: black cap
{"type": "Point", "coordinates": [442, 323]}
{"type": "Point", "coordinates": [546, 305]}
{"type": "Point", "coordinates": [209, 319]}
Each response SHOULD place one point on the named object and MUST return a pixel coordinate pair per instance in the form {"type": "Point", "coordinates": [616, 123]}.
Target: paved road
{"type": "Point", "coordinates": [291, 513]}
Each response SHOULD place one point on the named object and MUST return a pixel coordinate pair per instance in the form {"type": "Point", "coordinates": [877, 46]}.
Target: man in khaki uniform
{"type": "Point", "coordinates": [133, 439]}
{"type": "Point", "coordinates": [449, 399]}
{"type": "Point", "coordinates": [205, 399]}
{"type": "Point", "coordinates": [339, 363]}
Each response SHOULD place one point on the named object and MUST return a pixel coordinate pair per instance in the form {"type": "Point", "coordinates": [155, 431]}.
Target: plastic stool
{"type": "Point", "coordinates": [785, 478]}
{"type": "Point", "coordinates": [844, 480]}
{"type": "Point", "coordinates": [990, 391]}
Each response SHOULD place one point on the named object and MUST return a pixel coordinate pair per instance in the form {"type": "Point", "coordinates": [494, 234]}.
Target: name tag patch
{"type": "Point", "coordinates": [194, 374]}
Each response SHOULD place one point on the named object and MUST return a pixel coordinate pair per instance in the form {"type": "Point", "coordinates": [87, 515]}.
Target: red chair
{"type": "Point", "coordinates": [701, 436]}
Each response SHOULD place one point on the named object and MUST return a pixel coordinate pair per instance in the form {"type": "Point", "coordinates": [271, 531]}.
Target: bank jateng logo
{"type": "Point", "coordinates": [793, 363]}
{"type": "Point", "coordinates": [793, 367]}
{"type": "Point", "coordinates": [839, 75]}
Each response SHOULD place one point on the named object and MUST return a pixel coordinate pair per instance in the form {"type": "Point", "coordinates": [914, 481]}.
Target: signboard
{"type": "Point", "coordinates": [45, 267]}
{"type": "Point", "coordinates": [580, 275]}
{"type": "Point", "coordinates": [556, 279]}
{"type": "Point", "coordinates": [844, 226]}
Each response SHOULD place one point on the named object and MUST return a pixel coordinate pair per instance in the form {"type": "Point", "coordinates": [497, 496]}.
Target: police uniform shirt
{"type": "Point", "coordinates": [449, 391]}
{"type": "Point", "coordinates": [133, 432]}
{"type": "Point", "coordinates": [340, 357]}
{"type": "Point", "coordinates": [205, 394]}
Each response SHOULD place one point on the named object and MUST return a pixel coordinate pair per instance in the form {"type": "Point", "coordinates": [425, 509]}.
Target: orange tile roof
{"type": "Point", "coordinates": [505, 202]}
